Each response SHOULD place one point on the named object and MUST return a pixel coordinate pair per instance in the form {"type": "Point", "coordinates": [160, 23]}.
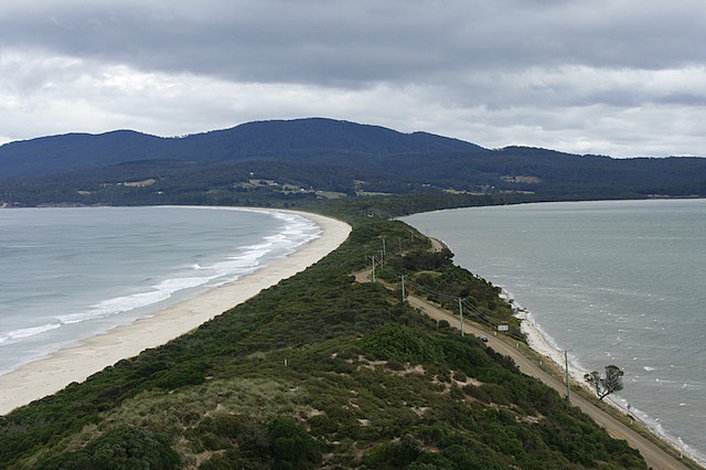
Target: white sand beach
{"type": "Point", "coordinates": [46, 376]}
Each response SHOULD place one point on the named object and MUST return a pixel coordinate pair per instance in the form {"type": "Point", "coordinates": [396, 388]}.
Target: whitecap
{"type": "Point", "coordinates": [160, 292]}
{"type": "Point", "coordinates": [23, 333]}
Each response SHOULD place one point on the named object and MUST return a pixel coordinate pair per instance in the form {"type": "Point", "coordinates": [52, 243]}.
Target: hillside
{"type": "Point", "coordinates": [287, 161]}
{"type": "Point", "coordinates": [368, 382]}
{"type": "Point", "coordinates": [313, 140]}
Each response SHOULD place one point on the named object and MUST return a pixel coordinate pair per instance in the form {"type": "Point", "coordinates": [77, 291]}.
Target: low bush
{"type": "Point", "coordinates": [120, 448]}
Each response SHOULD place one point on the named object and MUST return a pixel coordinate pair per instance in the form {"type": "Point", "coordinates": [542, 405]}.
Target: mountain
{"type": "Point", "coordinates": [61, 153]}
{"type": "Point", "coordinates": [318, 154]}
{"type": "Point", "coordinates": [314, 139]}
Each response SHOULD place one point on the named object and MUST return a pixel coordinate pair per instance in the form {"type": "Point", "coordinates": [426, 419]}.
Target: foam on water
{"type": "Point", "coordinates": [540, 341]}
{"type": "Point", "coordinates": [117, 305]}
{"type": "Point", "coordinates": [36, 334]}
{"type": "Point", "coordinates": [16, 335]}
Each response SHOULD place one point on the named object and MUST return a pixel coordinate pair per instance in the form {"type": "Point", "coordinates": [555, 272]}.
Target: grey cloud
{"type": "Point", "coordinates": [600, 76]}
{"type": "Point", "coordinates": [364, 41]}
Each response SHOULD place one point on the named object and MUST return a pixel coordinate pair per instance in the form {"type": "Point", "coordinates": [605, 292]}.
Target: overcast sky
{"type": "Point", "coordinates": [617, 77]}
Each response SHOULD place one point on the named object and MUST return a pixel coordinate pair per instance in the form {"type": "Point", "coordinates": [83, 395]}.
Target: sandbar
{"type": "Point", "coordinates": [44, 377]}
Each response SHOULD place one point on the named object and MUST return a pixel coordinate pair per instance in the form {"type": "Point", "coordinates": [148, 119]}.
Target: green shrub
{"type": "Point", "coordinates": [397, 454]}
{"type": "Point", "coordinates": [322, 424]}
{"type": "Point", "coordinates": [460, 376]}
{"type": "Point", "coordinates": [394, 365]}
{"type": "Point", "coordinates": [227, 425]}
{"type": "Point", "coordinates": [496, 393]}
{"type": "Point", "coordinates": [233, 460]}
{"type": "Point", "coordinates": [191, 373]}
{"type": "Point", "coordinates": [401, 344]}
{"type": "Point", "coordinates": [478, 393]}
{"type": "Point", "coordinates": [465, 457]}
{"type": "Point", "coordinates": [121, 448]}
{"type": "Point", "coordinates": [291, 446]}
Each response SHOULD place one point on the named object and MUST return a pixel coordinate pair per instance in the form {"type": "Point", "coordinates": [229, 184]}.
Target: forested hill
{"type": "Point", "coordinates": [318, 155]}
{"type": "Point", "coordinates": [315, 139]}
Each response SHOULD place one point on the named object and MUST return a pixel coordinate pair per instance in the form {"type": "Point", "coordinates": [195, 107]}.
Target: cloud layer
{"type": "Point", "coordinates": [614, 77]}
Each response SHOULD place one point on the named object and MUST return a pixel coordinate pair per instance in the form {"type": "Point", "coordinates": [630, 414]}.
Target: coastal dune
{"type": "Point", "coordinates": [74, 364]}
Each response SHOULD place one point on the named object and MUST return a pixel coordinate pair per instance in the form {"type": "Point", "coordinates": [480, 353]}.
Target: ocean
{"type": "Point", "coordinates": [612, 282]}
{"type": "Point", "coordinates": [72, 273]}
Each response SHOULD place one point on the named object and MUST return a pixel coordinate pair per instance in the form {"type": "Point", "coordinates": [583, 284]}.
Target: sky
{"type": "Point", "coordinates": [612, 77]}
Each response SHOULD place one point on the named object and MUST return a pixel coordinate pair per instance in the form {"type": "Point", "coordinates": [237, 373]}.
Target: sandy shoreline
{"type": "Point", "coordinates": [46, 376]}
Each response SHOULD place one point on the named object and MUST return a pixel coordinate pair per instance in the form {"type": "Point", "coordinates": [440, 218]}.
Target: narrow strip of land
{"type": "Point", "coordinates": [653, 454]}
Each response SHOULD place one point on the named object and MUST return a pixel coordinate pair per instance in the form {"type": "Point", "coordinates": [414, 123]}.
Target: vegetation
{"type": "Point", "coordinates": [611, 382]}
{"type": "Point", "coordinates": [308, 159]}
{"type": "Point", "coordinates": [319, 370]}
{"type": "Point", "coordinates": [120, 448]}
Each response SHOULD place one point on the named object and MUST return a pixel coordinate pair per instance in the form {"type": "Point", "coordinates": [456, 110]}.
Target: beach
{"type": "Point", "coordinates": [38, 379]}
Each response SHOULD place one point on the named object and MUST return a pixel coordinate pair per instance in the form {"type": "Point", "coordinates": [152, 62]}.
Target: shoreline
{"type": "Point", "coordinates": [46, 376]}
{"type": "Point", "coordinates": [543, 344]}
{"type": "Point", "coordinates": [546, 346]}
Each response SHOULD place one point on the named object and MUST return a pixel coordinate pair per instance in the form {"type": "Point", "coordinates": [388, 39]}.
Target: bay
{"type": "Point", "coordinates": [613, 282]}
{"type": "Point", "coordinates": [72, 273]}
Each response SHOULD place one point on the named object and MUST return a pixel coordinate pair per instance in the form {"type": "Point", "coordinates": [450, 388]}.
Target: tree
{"type": "Point", "coordinates": [611, 382]}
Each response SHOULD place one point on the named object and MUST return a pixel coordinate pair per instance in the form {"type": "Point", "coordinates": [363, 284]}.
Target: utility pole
{"type": "Point", "coordinates": [373, 260]}
{"type": "Point", "coordinates": [568, 384]}
{"type": "Point", "coordinates": [460, 311]}
{"type": "Point", "coordinates": [403, 296]}
{"type": "Point", "coordinates": [383, 246]}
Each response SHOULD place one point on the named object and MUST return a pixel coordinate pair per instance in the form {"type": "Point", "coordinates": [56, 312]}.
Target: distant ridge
{"type": "Point", "coordinates": [74, 151]}
{"type": "Point", "coordinates": [311, 139]}
{"type": "Point", "coordinates": [333, 155]}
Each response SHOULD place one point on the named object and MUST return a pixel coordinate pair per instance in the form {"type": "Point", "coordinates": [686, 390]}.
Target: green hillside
{"type": "Point", "coordinates": [320, 371]}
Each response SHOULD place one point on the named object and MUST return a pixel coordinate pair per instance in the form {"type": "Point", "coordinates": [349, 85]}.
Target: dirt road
{"type": "Point", "coordinates": [653, 454]}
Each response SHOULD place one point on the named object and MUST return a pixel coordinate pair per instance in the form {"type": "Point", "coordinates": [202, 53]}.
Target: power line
{"type": "Point", "coordinates": [479, 315]}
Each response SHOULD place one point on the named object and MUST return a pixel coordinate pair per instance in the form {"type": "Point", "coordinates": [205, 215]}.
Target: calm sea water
{"type": "Point", "coordinates": [619, 282]}
{"type": "Point", "coordinates": [70, 273]}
